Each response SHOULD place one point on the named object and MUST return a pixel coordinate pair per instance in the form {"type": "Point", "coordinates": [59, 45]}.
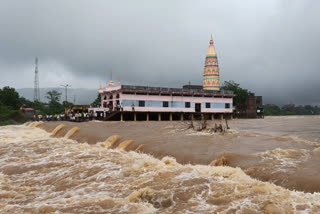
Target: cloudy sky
{"type": "Point", "coordinates": [270, 47]}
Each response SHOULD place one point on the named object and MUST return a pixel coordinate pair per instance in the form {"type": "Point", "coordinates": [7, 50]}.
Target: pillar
{"type": "Point", "coordinates": [181, 116]}
{"type": "Point", "coordinates": [192, 116]}
{"type": "Point", "coordinates": [221, 116]}
{"type": "Point", "coordinates": [121, 116]}
{"type": "Point", "coordinates": [231, 117]}
{"type": "Point", "coordinates": [159, 116]}
{"type": "Point", "coordinates": [212, 116]}
{"type": "Point", "coordinates": [202, 117]}
{"type": "Point", "coordinates": [147, 116]}
{"type": "Point", "coordinates": [135, 116]}
{"type": "Point", "coordinates": [170, 116]}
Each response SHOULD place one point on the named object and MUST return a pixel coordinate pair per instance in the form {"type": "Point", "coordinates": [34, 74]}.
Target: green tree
{"type": "Point", "coordinates": [271, 110]}
{"type": "Point", "coordinates": [54, 106]}
{"type": "Point", "coordinates": [23, 102]}
{"type": "Point", "coordinates": [241, 94]}
{"type": "Point", "coordinates": [97, 101]}
{"type": "Point", "coordinates": [9, 97]}
{"type": "Point", "coordinates": [9, 107]}
{"type": "Point", "coordinates": [53, 96]}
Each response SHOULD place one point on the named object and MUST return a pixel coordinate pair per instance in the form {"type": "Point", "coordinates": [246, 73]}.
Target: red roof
{"type": "Point", "coordinates": [28, 109]}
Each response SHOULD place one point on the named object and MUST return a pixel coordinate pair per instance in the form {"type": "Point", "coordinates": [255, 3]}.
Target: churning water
{"type": "Point", "coordinates": [43, 174]}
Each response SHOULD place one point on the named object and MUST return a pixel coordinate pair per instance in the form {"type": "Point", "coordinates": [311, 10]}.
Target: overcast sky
{"type": "Point", "coordinates": [270, 47]}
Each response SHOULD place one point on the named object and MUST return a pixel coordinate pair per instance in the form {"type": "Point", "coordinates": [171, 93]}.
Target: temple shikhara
{"type": "Point", "coordinates": [131, 102]}
{"type": "Point", "coordinates": [211, 69]}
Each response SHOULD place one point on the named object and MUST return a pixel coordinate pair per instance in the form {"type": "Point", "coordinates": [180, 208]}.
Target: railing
{"type": "Point", "coordinates": [180, 90]}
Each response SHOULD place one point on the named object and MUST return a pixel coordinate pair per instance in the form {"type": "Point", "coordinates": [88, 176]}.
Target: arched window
{"type": "Point", "coordinates": [111, 97]}
{"type": "Point", "coordinates": [105, 97]}
{"type": "Point", "coordinates": [118, 96]}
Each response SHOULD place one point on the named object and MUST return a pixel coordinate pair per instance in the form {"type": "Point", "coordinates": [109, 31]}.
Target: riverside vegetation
{"type": "Point", "coordinates": [11, 102]}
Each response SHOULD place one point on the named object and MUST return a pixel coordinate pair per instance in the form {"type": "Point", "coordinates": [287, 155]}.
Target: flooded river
{"type": "Point", "coordinates": [253, 168]}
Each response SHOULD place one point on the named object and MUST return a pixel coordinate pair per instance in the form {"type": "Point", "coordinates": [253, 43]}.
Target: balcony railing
{"type": "Point", "coordinates": [178, 90]}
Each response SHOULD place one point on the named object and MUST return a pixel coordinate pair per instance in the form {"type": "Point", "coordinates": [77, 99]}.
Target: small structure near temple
{"type": "Point", "coordinates": [27, 111]}
{"type": "Point", "coordinates": [252, 109]}
{"type": "Point", "coordinates": [128, 102]}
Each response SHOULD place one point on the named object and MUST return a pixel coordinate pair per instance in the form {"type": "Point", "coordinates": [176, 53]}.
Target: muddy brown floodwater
{"type": "Point", "coordinates": [161, 167]}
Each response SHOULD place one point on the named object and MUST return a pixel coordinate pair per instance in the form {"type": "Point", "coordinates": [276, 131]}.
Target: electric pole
{"type": "Point", "coordinates": [66, 91]}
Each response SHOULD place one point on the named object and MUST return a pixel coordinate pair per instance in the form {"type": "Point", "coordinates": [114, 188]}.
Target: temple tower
{"type": "Point", "coordinates": [211, 69]}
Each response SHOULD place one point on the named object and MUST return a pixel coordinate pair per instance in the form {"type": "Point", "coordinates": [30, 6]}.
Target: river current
{"type": "Point", "coordinates": [44, 174]}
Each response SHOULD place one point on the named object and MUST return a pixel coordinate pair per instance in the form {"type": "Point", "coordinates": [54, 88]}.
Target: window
{"type": "Point", "coordinates": [187, 104]}
{"type": "Point", "coordinates": [165, 104]}
{"type": "Point", "coordinates": [105, 97]}
{"type": "Point", "coordinates": [141, 103]}
{"type": "Point", "coordinates": [227, 105]}
{"type": "Point", "coordinates": [207, 105]}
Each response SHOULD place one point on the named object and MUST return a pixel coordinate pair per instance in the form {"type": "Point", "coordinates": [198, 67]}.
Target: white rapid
{"type": "Point", "coordinates": [42, 174]}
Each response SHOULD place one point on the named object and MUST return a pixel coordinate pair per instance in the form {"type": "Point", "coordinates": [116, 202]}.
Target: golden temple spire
{"type": "Point", "coordinates": [211, 69]}
{"type": "Point", "coordinates": [211, 50]}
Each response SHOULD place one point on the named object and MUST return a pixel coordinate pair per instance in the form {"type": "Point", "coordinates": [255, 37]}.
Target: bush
{"type": "Point", "coordinates": [8, 122]}
{"type": "Point", "coordinates": [9, 116]}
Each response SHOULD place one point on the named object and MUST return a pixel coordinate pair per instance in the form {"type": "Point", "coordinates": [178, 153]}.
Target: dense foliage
{"type": "Point", "coordinates": [97, 101]}
{"type": "Point", "coordinates": [9, 107]}
{"type": "Point", "coordinates": [10, 104]}
{"type": "Point", "coordinates": [291, 109]}
{"type": "Point", "coordinates": [241, 93]}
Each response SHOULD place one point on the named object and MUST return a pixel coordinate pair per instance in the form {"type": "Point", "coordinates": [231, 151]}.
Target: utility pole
{"type": "Point", "coordinates": [36, 92]}
{"type": "Point", "coordinates": [66, 91]}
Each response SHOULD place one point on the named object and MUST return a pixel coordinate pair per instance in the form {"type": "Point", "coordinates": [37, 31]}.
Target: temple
{"type": "Point", "coordinates": [129, 102]}
{"type": "Point", "coordinates": [211, 69]}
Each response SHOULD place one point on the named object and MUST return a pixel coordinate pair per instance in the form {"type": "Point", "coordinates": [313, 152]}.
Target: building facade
{"type": "Point", "coordinates": [191, 100]}
{"type": "Point", "coordinates": [143, 99]}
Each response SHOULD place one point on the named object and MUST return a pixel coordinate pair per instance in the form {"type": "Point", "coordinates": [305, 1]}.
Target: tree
{"type": "Point", "coordinates": [54, 106]}
{"type": "Point", "coordinates": [53, 96]}
{"type": "Point", "coordinates": [24, 102]}
{"type": "Point", "coordinates": [97, 101]}
{"type": "Point", "coordinates": [9, 97]}
{"type": "Point", "coordinates": [9, 107]}
{"type": "Point", "coordinates": [271, 109]}
{"type": "Point", "coordinates": [241, 94]}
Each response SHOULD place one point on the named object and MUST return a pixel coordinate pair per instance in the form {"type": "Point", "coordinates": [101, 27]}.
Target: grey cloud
{"type": "Point", "coordinates": [269, 47]}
